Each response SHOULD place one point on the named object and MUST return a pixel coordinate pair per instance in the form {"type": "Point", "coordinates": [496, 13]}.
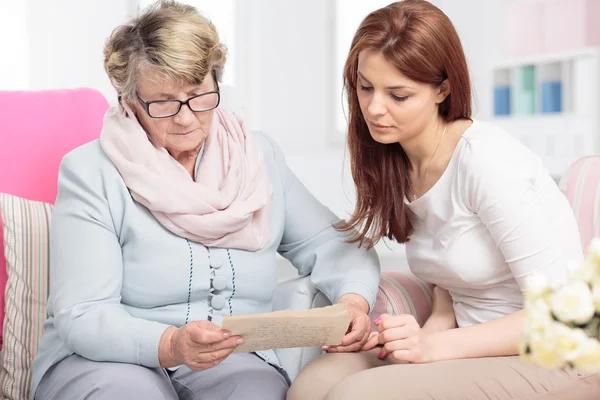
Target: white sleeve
{"type": "Point", "coordinates": [504, 187]}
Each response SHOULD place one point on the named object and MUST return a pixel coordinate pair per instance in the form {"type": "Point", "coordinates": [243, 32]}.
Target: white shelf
{"type": "Point", "coordinates": [563, 137]}
{"type": "Point", "coordinates": [545, 58]}
{"type": "Point", "coordinates": [535, 118]}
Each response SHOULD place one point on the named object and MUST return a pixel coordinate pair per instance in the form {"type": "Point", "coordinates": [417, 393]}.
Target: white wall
{"type": "Point", "coordinates": [285, 69]}
{"type": "Point", "coordinates": [480, 25]}
{"type": "Point", "coordinates": [288, 77]}
{"type": "Point", "coordinates": [66, 39]}
{"type": "Point", "coordinates": [286, 65]}
{"type": "Point", "coordinates": [14, 62]}
{"type": "Point", "coordinates": [284, 73]}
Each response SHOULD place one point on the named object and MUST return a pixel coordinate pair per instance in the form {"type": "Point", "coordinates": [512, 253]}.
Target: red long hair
{"type": "Point", "coordinates": [420, 40]}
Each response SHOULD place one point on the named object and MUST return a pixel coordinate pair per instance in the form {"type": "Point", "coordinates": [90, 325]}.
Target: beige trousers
{"type": "Point", "coordinates": [353, 376]}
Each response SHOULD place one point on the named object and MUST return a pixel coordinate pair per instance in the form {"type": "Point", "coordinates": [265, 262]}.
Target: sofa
{"type": "Point", "coordinates": [37, 128]}
{"type": "Point", "coordinates": [32, 145]}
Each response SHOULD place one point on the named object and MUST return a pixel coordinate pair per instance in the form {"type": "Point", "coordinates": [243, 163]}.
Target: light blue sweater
{"type": "Point", "coordinates": [118, 278]}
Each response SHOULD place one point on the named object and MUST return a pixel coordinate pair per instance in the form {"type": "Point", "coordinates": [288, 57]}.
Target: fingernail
{"type": "Point", "coordinates": [378, 320]}
{"type": "Point", "coordinates": [240, 341]}
{"type": "Point", "coordinates": [325, 348]}
{"type": "Point", "coordinates": [226, 334]}
{"type": "Point", "coordinates": [380, 355]}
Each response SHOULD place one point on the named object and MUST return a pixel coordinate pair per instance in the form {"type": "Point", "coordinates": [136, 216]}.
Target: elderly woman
{"type": "Point", "coordinates": [172, 221]}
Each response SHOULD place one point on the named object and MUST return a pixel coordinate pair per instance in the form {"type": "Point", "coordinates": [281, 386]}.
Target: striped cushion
{"type": "Point", "coordinates": [581, 185]}
{"type": "Point", "coordinates": [3, 277]}
{"type": "Point", "coordinates": [402, 293]}
{"type": "Point", "coordinates": [26, 235]}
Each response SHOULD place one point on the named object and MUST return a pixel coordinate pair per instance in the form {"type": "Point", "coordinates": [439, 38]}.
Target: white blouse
{"type": "Point", "coordinates": [494, 217]}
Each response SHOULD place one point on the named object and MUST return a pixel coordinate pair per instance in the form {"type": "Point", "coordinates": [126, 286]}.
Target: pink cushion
{"type": "Point", "coordinates": [402, 293]}
{"type": "Point", "coordinates": [581, 184]}
{"type": "Point", "coordinates": [37, 128]}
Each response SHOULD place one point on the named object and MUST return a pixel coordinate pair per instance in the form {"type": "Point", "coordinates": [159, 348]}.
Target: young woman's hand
{"type": "Point", "coordinates": [372, 341]}
{"type": "Point", "coordinates": [403, 339]}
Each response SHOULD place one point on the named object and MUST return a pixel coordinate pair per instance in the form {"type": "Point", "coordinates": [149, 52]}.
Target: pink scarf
{"type": "Point", "coordinates": [228, 204]}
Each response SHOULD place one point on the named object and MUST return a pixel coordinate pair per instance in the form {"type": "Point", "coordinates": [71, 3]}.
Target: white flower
{"type": "Point", "coordinates": [537, 317]}
{"type": "Point", "coordinates": [555, 347]}
{"type": "Point", "coordinates": [594, 248]}
{"type": "Point", "coordinates": [593, 256]}
{"type": "Point", "coordinates": [582, 272]}
{"type": "Point", "coordinates": [596, 293]}
{"type": "Point", "coordinates": [573, 303]}
{"type": "Point", "coordinates": [525, 349]}
{"type": "Point", "coordinates": [589, 359]}
{"type": "Point", "coordinates": [570, 342]}
{"type": "Point", "coordinates": [537, 285]}
{"type": "Point", "coordinates": [543, 351]}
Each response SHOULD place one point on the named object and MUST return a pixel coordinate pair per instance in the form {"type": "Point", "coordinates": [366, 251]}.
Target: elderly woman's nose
{"type": "Point", "coordinates": [185, 116]}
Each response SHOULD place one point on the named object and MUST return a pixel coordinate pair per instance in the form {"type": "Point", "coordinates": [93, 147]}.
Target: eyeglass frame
{"type": "Point", "coordinates": [146, 105]}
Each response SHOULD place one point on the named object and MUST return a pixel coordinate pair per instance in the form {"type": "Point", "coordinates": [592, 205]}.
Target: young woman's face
{"type": "Point", "coordinates": [395, 107]}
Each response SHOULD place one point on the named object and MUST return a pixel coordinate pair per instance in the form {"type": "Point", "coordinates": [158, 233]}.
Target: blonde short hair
{"type": "Point", "coordinates": [169, 40]}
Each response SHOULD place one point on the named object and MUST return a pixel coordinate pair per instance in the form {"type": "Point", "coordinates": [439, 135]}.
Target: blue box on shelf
{"type": "Point", "coordinates": [502, 100]}
{"type": "Point", "coordinates": [551, 97]}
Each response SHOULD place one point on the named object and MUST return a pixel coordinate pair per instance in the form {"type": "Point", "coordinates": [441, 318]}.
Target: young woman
{"type": "Point", "coordinates": [478, 213]}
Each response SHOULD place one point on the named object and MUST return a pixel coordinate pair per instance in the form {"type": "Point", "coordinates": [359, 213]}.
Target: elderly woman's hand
{"type": "Point", "coordinates": [360, 326]}
{"type": "Point", "coordinates": [199, 345]}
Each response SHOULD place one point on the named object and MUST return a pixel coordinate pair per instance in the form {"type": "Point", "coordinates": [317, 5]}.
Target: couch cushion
{"type": "Point", "coordinates": [3, 277]}
{"type": "Point", "coordinates": [26, 232]}
{"type": "Point", "coordinates": [32, 148]}
{"type": "Point", "coordinates": [581, 185]}
{"type": "Point", "coordinates": [400, 292]}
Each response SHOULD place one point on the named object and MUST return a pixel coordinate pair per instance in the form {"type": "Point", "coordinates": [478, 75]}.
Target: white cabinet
{"type": "Point", "coordinates": [561, 122]}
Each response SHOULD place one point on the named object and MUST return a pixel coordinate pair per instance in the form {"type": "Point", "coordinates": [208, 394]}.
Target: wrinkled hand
{"type": "Point", "coordinates": [358, 331]}
{"type": "Point", "coordinates": [402, 339]}
{"type": "Point", "coordinates": [201, 345]}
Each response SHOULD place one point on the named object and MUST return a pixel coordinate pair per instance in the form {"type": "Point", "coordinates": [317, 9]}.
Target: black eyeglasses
{"type": "Point", "coordinates": [168, 108]}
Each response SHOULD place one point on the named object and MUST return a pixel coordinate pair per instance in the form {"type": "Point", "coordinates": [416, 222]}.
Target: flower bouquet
{"type": "Point", "coordinates": [562, 324]}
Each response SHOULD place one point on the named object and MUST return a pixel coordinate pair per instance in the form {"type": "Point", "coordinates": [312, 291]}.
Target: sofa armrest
{"type": "Point", "coordinates": [298, 294]}
{"type": "Point", "coordinates": [400, 292]}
